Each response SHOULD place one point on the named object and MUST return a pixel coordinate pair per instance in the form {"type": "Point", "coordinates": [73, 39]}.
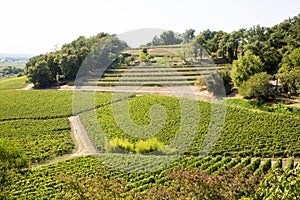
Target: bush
{"type": "Point", "coordinates": [149, 145]}
{"type": "Point", "coordinates": [257, 86]}
{"type": "Point", "coordinates": [117, 145]}
{"type": "Point", "coordinates": [196, 184]}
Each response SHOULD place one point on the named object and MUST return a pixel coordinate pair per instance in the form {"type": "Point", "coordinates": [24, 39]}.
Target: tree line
{"type": "Point", "coordinates": [263, 52]}
{"type": "Point", "coordinates": [257, 55]}
{"type": "Point", "coordinates": [62, 65]}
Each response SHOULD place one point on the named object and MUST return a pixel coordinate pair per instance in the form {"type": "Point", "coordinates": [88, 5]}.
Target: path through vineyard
{"type": "Point", "coordinates": [82, 140]}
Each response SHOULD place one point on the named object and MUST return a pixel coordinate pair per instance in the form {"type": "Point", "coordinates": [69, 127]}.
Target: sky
{"type": "Point", "coordinates": [40, 26]}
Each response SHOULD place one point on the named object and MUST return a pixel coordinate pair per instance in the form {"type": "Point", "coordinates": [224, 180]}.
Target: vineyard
{"type": "Point", "coordinates": [52, 181]}
{"type": "Point", "coordinates": [245, 132]}
{"type": "Point", "coordinates": [38, 139]}
{"type": "Point", "coordinates": [42, 130]}
{"type": "Point", "coordinates": [60, 104]}
{"type": "Point", "coordinates": [254, 150]}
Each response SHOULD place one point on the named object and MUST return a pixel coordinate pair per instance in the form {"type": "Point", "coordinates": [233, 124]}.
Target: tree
{"type": "Point", "coordinates": [53, 61]}
{"type": "Point", "coordinates": [70, 64]}
{"type": "Point", "coordinates": [169, 38]}
{"type": "Point", "coordinates": [291, 61]}
{"type": "Point", "coordinates": [256, 86]}
{"type": "Point", "coordinates": [289, 72]}
{"type": "Point", "coordinates": [203, 40]}
{"type": "Point", "coordinates": [44, 70]}
{"type": "Point", "coordinates": [189, 35]}
{"type": "Point", "coordinates": [246, 66]}
{"type": "Point", "coordinates": [40, 74]}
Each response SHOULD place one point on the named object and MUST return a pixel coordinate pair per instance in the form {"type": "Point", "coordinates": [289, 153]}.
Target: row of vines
{"type": "Point", "coordinates": [51, 181]}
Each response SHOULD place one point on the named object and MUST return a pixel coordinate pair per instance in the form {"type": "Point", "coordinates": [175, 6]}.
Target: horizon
{"type": "Point", "coordinates": [32, 29]}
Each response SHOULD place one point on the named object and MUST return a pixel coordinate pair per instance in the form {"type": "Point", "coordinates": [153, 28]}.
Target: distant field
{"type": "Point", "coordinates": [12, 64]}
{"type": "Point", "coordinates": [8, 83]}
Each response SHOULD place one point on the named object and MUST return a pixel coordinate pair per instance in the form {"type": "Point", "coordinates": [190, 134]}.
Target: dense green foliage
{"type": "Point", "coordinates": [171, 38]}
{"type": "Point", "coordinates": [258, 86]}
{"type": "Point", "coordinates": [290, 81]}
{"type": "Point", "coordinates": [245, 67]}
{"type": "Point", "coordinates": [63, 65]}
{"type": "Point", "coordinates": [291, 61]}
{"type": "Point", "coordinates": [276, 48]}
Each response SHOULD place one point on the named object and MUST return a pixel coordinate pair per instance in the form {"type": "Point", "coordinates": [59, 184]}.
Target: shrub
{"type": "Point", "coordinates": [196, 184]}
{"type": "Point", "coordinates": [149, 145]}
{"type": "Point", "coordinates": [120, 143]}
{"type": "Point", "coordinates": [257, 86]}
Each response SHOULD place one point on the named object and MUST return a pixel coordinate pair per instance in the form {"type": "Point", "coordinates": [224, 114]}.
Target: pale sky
{"type": "Point", "coordinates": [36, 26]}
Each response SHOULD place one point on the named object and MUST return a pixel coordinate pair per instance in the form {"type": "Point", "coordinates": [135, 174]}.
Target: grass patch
{"type": "Point", "coordinates": [278, 108]}
{"type": "Point", "coordinates": [13, 83]}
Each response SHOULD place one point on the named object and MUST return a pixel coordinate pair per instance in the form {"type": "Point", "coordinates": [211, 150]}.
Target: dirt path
{"type": "Point", "coordinates": [82, 140]}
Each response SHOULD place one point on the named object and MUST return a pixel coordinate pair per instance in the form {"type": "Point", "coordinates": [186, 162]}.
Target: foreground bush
{"type": "Point", "coordinates": [280, 184]}
{"type": "Point", "coordinates": [196, 184]}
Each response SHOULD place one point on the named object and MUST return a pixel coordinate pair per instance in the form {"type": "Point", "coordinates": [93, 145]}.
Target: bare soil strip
{"type": "Point", "coordinates": [83, 142]}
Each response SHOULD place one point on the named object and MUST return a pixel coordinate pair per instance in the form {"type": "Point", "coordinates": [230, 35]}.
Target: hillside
{"type": "Point", "coordinates": [106, 121]}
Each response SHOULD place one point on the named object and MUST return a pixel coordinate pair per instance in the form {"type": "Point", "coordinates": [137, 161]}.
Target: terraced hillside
{"type": "Point", "coordinates": [155, 75]}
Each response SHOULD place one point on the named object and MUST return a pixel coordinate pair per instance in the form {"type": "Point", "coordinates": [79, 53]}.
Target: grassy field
{"type": "Point", "coordinates": [12, 83]}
